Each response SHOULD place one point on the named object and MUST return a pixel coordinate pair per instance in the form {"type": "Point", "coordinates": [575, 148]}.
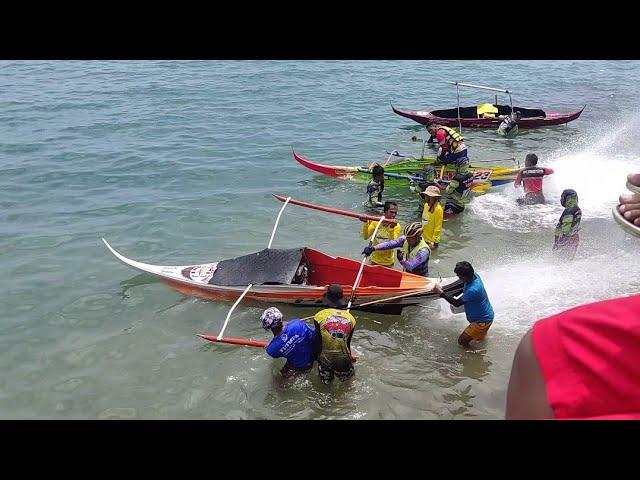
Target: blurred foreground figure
{"type": "Point", "coordinates": [583, 363]}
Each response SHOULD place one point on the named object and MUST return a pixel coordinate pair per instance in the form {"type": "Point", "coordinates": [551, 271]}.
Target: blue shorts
{"type": "Point", "coordinates": [454, 157]}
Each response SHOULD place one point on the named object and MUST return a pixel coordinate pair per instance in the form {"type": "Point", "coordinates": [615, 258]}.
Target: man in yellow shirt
{"type": "Point", "coordinates": [333, 331]}
{"type": "Point", "coordinates": [385, 233]}
{"type": "Point", "coordinates": [432, 216]}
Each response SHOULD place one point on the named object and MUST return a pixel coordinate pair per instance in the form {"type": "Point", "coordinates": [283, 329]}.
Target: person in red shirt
{"type": "Point", "coordinates": [583, 363]}
{"type": "Point", "coordinates": [530, 178]}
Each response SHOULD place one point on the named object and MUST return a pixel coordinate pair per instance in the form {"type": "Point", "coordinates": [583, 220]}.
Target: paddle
{"type": "Point", "coordinates": [235, 341]}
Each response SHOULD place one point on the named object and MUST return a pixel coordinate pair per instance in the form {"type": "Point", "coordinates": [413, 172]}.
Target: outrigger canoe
{"type": "Point", "coordinates": [484, 177]}
{"type": "Point", "coordinates": [297, 276]}
{"type": "Point", "coordinates": [469, 117]}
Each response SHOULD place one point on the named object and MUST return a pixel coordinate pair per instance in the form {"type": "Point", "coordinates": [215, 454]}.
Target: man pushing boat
{"type": "Point", "coordinates": [385, 233]}
{"type": "Point", "coordinates": [414, 256]}
{"type": "Point", "coordinates": [476, 303]}
{"type": "Point", "coordinates": [329, 343]}
{"type": "Point", "coordinates": [293, 340]}
{"type": "Point", "coordinates": [334, 328]}
{"type": "Point", "coordinates": [452, 147]}
{"type": "Point", "coordinates": [459, 188]}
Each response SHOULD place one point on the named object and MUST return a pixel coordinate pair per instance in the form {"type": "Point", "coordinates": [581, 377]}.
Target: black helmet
{"type": "Point", "coordinates": [567, 195]}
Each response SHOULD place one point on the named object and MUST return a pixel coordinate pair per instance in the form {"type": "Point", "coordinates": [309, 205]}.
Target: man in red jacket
{"type": "Point", "coordinates": [531, 178]}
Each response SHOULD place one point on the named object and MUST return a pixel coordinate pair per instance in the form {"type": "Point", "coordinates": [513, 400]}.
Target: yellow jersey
{"type": "Point", "coordinates": [385, 233]}
{"type": "Point", "coordinates": [432, 223]}
{"type": "Point", "coordinates": [335, 327]}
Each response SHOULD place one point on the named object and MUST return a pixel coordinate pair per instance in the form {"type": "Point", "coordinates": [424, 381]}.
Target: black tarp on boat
{"type": "Point", "coordinates": [268, 266]}
{"type": "Point", "coordinates": [472, 112]}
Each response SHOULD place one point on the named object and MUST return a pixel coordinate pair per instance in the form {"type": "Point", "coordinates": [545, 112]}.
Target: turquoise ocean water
{"type": "Point", "coordinates": [174, 163]}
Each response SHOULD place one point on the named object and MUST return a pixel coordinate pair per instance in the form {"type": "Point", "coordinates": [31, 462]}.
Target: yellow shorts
{"type": "Point", "coordinates": [477, 330]}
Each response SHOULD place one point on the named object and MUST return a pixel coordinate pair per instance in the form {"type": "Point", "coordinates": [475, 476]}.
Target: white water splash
{"type": "Point", "coordinates": [597, 171]}
{"type": "Point", "coordinates": [525, 291]}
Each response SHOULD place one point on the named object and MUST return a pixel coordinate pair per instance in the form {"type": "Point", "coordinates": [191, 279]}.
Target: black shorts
{"type": "Point", "coordinates": [289, 371]}
{"type": "Point", "coordinates": [531, 199]}
{"type": "Point", "coordinates": [326, 373]}
{"type": "Point", "coordinates": [455, 208]}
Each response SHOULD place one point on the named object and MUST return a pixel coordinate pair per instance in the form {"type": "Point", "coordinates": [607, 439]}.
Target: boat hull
{"type": "Point", "coordinates": [423, 117]}
{"type": "Point", "coordinates": [192, 280]}
{"type": "Point", "coordinates": [484, 177]}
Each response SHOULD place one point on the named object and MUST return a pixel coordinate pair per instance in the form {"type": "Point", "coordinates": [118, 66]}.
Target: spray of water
{"type": "Point", "coordinates": [597, 171]}
{"type": "Point", "coordinates": [537, 283]}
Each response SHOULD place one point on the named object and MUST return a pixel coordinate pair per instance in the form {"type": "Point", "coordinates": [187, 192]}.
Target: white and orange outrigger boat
{"type": "Point", "coordinates": [298, 276]}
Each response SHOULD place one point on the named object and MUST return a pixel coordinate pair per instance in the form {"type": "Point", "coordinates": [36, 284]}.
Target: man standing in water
{"type": "Point", "coordinates": [293, 340]}
{"type": "Point", "coordinates": [567, 237]}
{"type": "Point", "coordinates": [432, 216]}
{"type": "Point", "coordinates": [476, 304]}
{"type": "Point", "coordinates": [376, 185]}
{"type": "Point", "coordinates": [334, 328]}
{"type": "Point", "coordinates": [509, 125]}
{"type": "Point", "coordinates": [459, 188]}
{"type": "Point", "coordinates": [428, 176]}
{"type": "Point", "coordinates": [531, 178]}
{"type": "Point", "coordinates": [385, 233]}
{"type": "Point", "coordinates": [452, 147]}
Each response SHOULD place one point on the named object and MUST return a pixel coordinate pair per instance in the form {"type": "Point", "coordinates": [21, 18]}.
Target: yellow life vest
{"type": "Point", "coordinates": [453, 139]}
{"type": "Point", "coordinates": [408, 255]}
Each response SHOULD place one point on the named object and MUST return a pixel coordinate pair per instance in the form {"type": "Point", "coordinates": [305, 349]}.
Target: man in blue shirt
{"type": "Point", "coordinates": [476, 304]}
{"type": "Point", "coordinates": [293, 340]}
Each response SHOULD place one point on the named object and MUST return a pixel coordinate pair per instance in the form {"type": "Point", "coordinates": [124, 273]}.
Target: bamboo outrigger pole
{"type": "Point", "coordinates": [273, 233]}
{"type": "Point", "coordinates": [364, 258]}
